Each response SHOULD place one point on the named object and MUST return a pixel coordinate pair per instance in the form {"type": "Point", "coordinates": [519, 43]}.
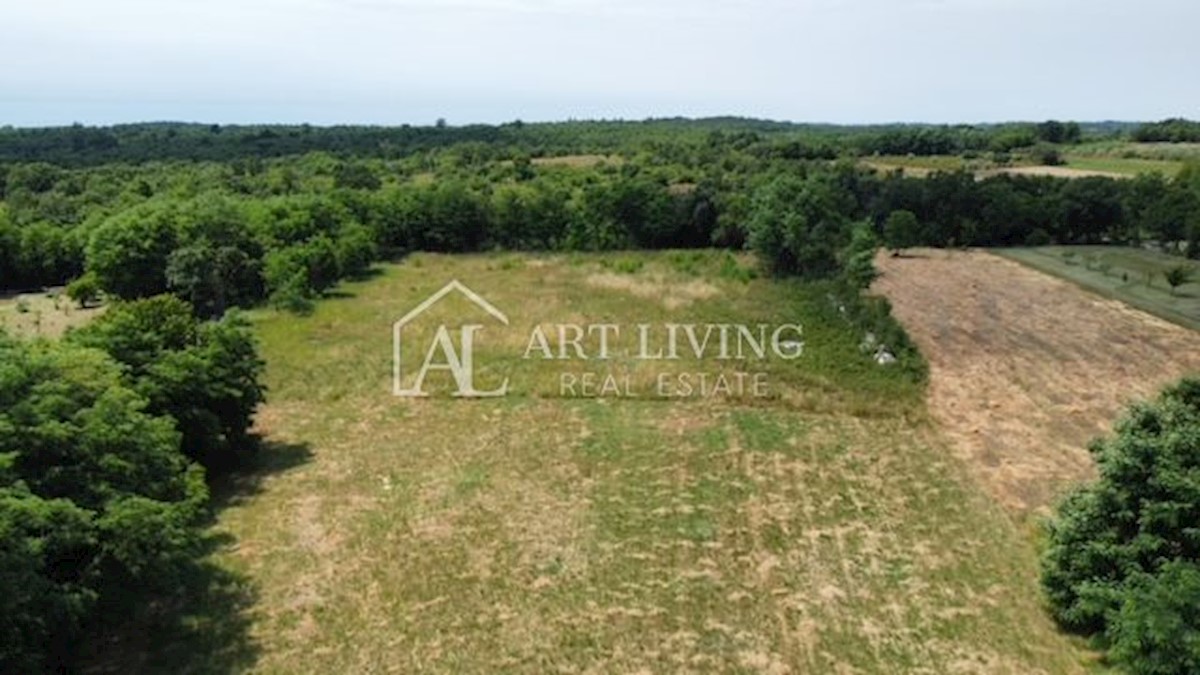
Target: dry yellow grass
{"type": "Point", "coordinates": [1025, 369]}
{"type": "Point", "coordinates": [43, 314]}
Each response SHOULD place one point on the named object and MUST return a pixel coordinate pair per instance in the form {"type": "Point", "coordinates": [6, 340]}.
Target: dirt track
{"type": "Point", "coordinates": [1025, 369]}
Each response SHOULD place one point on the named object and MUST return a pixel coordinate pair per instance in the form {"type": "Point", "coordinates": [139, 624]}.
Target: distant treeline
{"type": "Point", "coordinates": [79, 145]}
{"type": "Point", "coordinates": [221, 235]}
{"type": "Point", "coordinates": [1169, 131]}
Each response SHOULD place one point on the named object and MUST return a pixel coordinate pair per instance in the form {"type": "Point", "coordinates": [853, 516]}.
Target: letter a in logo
{"type": "Point", "coordinates": [459, 363]}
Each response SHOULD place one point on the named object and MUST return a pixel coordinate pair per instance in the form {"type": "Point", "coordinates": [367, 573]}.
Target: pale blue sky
{"type": "Point", "coordinates": [397, 61]}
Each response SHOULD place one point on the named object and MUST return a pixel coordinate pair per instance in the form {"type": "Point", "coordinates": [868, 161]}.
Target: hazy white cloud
{"type": "Point", "coordinates": [390, 61]}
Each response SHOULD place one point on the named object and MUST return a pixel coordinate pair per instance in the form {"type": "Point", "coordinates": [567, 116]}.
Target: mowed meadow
{"type": "Point", "coordinates": [825, 527]}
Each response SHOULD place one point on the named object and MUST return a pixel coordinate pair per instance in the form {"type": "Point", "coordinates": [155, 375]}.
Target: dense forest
{"type": "Point", "coordinates": [107, 435]}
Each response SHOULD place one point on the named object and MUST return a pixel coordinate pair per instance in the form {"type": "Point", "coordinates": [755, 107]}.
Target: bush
{"type": "Point", "coordinates": [355, 250]}
{"type": "Point", "coordinates": [901, 230]}
{"type": "Point", "coordinates": [798, 226]}
{"type": "Point", "coordinates": [97, 504]}
{"type": "Point", "coordinates": [1046, 155]}
{"type": "Point", "coordinates": [128, 252]}
{"type": "Point", "coordinates": [1112, 538]}
{"type": "Point", "coordinates": [203, 374]}
{"type": "Point", "coordinates": [85, 290]}
{"type": "Point", "coordinates": [1157, 631]}
{"type": "Point", "coordinates": [303, 271]}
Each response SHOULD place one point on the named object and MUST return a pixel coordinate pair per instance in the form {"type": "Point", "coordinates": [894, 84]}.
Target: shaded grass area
{"type": "Point", "coordinates": [1133, 276]}
{"type": "Point", "coordinates": [822, 528]}
{"type": "Point", "coordinates": [203, 626]}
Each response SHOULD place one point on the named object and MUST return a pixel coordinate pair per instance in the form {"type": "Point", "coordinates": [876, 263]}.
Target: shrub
{"type": "Point", "coordinates": [1112, 539]}
{"type": "Point", "coordinates": [85, 290]}
{"type": "Point", "coordinates": [355, 250]}
{"type": "Point", "coordinates": [901, 230]}
{"type": "Point", "coordinates": [798, 226]}
{"type": "Point", "coordinates": [203, 374]}
{"type": "Point", "coordinates": [97, 504]}
{"type": "Point", "coordinates": [296, 274]}
{"type": "Point", "coordinates": [1157, 630]}
{"type": "Point", "coordinates": [128, 252]}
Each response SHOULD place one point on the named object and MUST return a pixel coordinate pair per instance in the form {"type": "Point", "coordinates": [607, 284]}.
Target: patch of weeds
{"type": "Point", "coordinates": [731, 269]}
{"type": "Point", "coordinates": [688, 263]}
{"type": "Point", "coordinates": [625, 265]}
{"type": "Point", "coordinates": [698, 528]}
{"type": "Point", "coordinates": [473, 478]}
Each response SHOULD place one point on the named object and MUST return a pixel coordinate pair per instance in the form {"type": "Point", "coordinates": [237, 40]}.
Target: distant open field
{"type": "Point", "coordinates": [1131, 275]}
{"type": "Point", "coordinates": [920, 167]}
{"type": "Point", "coordinates": [1056, 171]}
{"type": "Point", "coordinates": [1025, 369]}
{"type": "Point", "coordinates": [577, 160]}
{"type": "Point", "coordinates": [42, 314]}
{"type": "Point", "coordinates": [827, 528]}
{"type": "Point", "coordinates": [1124, 165]}
{"type": "Point", "coordinates": [1078, 163]}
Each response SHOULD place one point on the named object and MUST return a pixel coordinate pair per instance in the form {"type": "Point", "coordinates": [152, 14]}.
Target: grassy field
{"type": "Point", "coordinates": [1130, 166]}
{"type": "Point", "coordinates": [47, 314]}
{"type": "Point", "coordinates": [922, 166]}
{"type": "Point", "coordinates": [1115, 159]}
{"type": "Point", "coordinates": [1131, 275]}
{"type": "Point", "coordinates": [825, 528]}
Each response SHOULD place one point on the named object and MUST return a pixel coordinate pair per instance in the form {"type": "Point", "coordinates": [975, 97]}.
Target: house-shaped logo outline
{"type": "Point", "coordinates": [398, 326]}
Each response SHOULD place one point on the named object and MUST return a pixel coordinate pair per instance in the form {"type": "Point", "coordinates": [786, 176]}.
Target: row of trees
{"type": "Point", "coordinates": [1175, 130]}
{"type": "Point", "coordinates": [105, 439]}
{"type": "Point", "coordinates": [90, 146]}
{"type": "Point", "coordinates": [223, 249]}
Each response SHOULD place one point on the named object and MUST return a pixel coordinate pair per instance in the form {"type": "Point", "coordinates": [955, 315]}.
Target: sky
{"type": "Point", "coordinates": [467, 61]}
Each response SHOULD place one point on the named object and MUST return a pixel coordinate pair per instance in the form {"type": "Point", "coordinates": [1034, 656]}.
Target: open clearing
{"type": "Point", "coordinates": [1025, 368]}
{"type": "Point", "coordinates": [1056, 172]}
{"type": "Point", "coordinates": [1131, 275]}
{"type": "Point", "coordinates": [42, 314]}
{"type": "Point", "coordinates": [825, 529]}
{"type": "Point", "coordinates": [1128, 166]}
{"type": "Point", "coordinates": [1080, 163]}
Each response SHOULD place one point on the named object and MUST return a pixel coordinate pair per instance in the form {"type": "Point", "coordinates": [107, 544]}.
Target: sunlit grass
{"type": "Point", "coordinates": [824, 528]}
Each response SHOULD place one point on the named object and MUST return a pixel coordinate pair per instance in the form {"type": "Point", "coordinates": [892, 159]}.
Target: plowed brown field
{"type": "Point", "coordinates": [1026, 369]}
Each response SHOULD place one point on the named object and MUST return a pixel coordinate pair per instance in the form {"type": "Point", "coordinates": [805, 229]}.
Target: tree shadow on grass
{"type": "Point", "coordinates": [203, 626]}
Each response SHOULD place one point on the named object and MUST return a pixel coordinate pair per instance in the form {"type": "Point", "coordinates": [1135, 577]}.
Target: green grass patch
{"type": "Point", "coordinates": [1132, 275]}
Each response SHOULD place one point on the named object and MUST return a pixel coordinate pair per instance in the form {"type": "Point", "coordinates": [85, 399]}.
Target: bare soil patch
{"type": "Point", "coordinates": [1026, 369]}
{"type": "Point", "coordinates": [1055, 171]}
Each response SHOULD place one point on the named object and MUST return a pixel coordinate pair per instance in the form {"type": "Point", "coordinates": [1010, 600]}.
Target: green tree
{"type": "Point", "coordinates": [85, 290]}
{"type": "Point", "coordinates": [355, 176]}
{"type": "Point", "coordinates": [205, 375]}
{"type": "Point", "coordinates": [858, 259]}
{"type": "Point", "coordinates": [97, 504]}
{"type": "Point", "coordinates": [355, 249]}
{"type": "Point", "coordinates": [798, 226]}
{"type": "Point", "coordinates": [1157, 629]}
{"type": "Point", "coordinates": [1177, 276]}
{"type": "Point", "coordinates": [128, 252]}
{"type": "Point", "coordinates": [1139, 516]}
{"type": "Point", "coordinates": [901, 230]}
{"type": "Point", "coordinates": [303, 270]}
